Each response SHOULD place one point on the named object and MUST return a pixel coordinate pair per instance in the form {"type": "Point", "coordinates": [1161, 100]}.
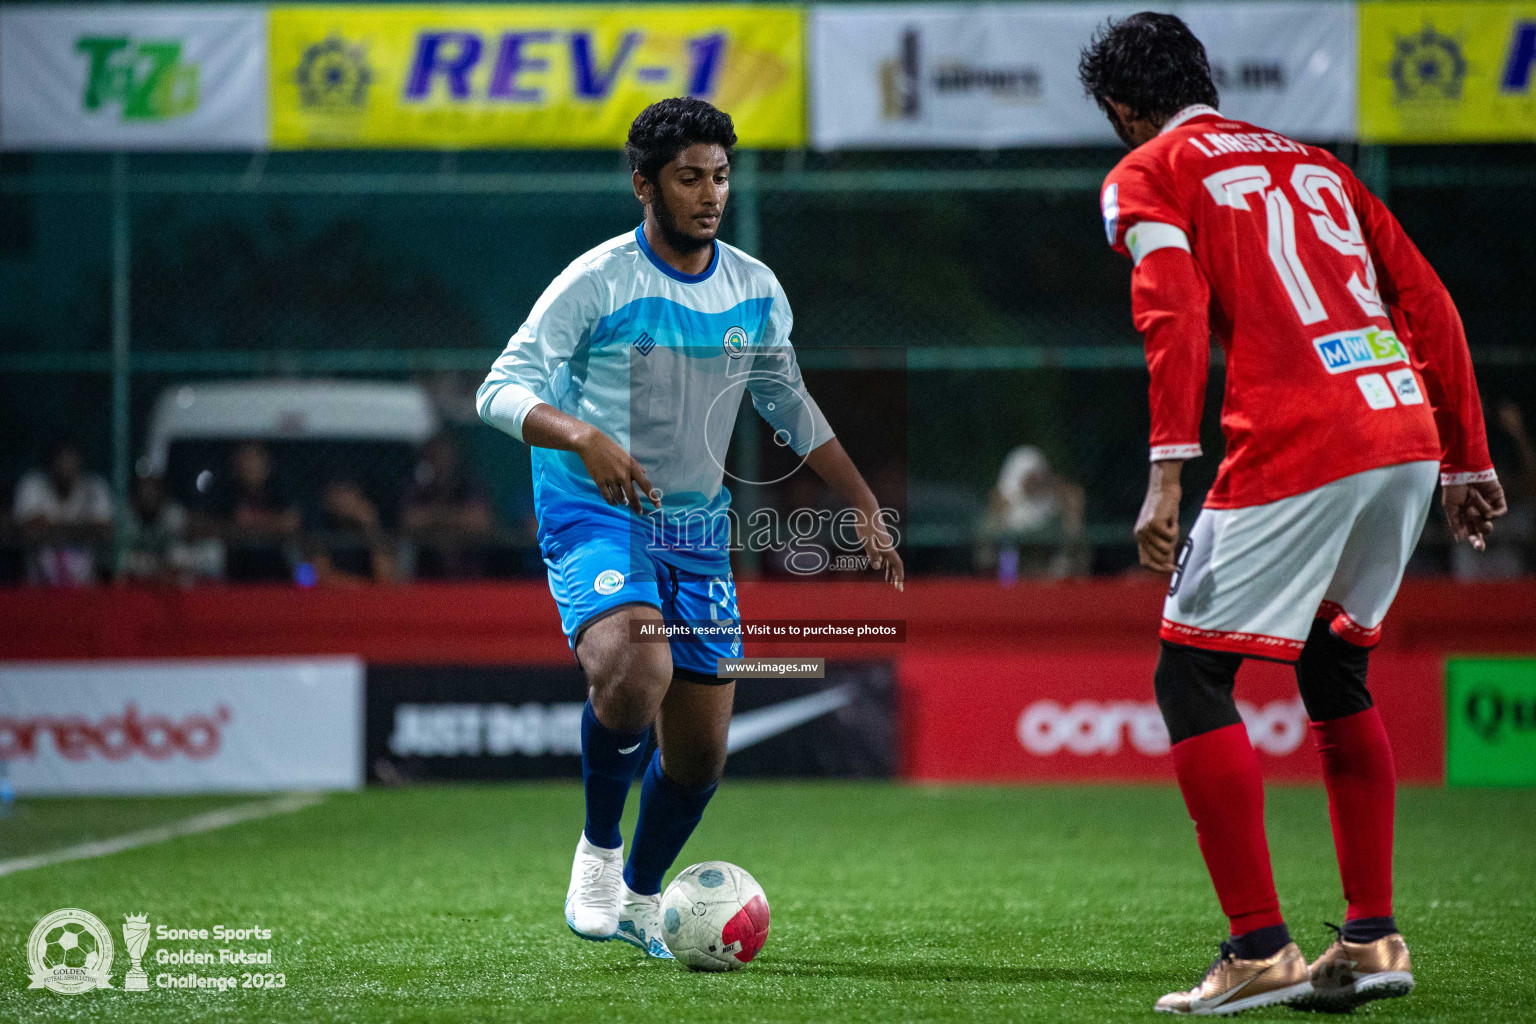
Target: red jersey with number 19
{"type": "Point", "coordinates": [1344, 352]}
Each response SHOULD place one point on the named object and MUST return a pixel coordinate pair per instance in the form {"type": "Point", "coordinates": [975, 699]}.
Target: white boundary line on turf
{"type": "Point", "coordinates": [205, 822]}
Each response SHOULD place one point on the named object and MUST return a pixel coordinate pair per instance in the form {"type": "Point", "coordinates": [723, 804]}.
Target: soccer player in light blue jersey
{"type": "Point", "coordinates": [625, 382]}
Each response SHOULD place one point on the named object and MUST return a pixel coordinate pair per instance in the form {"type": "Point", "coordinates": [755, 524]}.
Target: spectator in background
{"type": "Point", "coordinates": [447, 514]}
{"type": "Point", "coordinates": [63, 515]}
{"type": "Point", "coordinates": [348, 543]}
{"type": "Point", "coordinates": [255, 516]}
{"type": "Point", "coordinates": [155, 537]}
{"type": "Point", "coordinates": [1512, 547]}
{"type": "Point", "coordinates": [1034, 521]}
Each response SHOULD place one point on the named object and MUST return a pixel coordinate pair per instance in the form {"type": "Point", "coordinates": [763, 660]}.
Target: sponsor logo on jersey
{"type": "Point", "coordinates": [1377, 392]}
{"type": "Point", "coordinates": [1352, 350]}
{"type": "Point", "coordinates": [735, 342]}
{"type": "Point", "coordinates": [609, 581]}
{"type": "Point", "coordinates": [644, 343]}
{"type": "Point", "coordinates": [1406, 386]}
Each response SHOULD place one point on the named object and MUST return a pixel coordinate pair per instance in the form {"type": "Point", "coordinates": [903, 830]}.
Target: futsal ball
{"type": "Point", "coordinates": [714, 917]}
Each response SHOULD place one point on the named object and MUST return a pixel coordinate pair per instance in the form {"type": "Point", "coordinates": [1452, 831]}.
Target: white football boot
{"type": "Point", "coordinates": [640, 922]}
{"type": "Point", "coordinates": [592, 901]}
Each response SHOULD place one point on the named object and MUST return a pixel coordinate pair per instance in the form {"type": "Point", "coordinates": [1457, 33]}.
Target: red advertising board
{"type": "Point", "coordinates": [1090, 716]}
{"type": "Point", "coordinates": [976, 656]}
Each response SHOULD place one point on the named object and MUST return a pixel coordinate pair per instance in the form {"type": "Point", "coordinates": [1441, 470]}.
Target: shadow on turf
{"type": "Point", "coordinates": [946, 971]}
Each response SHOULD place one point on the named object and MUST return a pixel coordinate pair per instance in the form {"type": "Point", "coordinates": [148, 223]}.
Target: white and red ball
{"type": "Point", "coordinates": [714, 917]}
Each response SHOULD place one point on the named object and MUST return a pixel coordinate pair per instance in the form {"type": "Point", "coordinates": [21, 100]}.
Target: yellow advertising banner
{"type": "Point", "coordinates": [527, 76]}
{"type": "Point", "coordinates": [1447, 72]}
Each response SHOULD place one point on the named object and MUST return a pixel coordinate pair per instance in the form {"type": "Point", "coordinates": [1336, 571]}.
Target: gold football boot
{"type": "Point", "coordinates": [1351, 973]}
{"type": "Point", "coordinates": [1233, 985]}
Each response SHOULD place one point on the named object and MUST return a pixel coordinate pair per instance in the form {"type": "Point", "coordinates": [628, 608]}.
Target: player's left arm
{"type": "Point", "coordinates": [1170, 306]}
{"type": "Point", "coordinates": [779, 395]}
{"type": "Point", "coordinates": [1470, 490]}
{"type": "Point", "coordinates": [830, 462]}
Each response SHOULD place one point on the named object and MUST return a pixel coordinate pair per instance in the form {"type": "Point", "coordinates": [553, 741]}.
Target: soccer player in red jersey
{"type": "Point", "coordinates": [1349, 395]}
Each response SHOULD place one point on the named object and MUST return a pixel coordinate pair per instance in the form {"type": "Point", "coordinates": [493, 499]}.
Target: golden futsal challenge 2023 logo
{"type": "Point", "coordinates": [72, 951]}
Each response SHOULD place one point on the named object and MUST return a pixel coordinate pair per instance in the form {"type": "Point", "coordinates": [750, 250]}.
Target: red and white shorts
{"type": "Point", "coordinates": [1252, 580]}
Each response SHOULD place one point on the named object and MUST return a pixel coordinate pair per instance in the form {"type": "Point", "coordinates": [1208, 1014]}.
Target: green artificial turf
{"type": "Point", "coordinates": [890, 904]}
{"type": "Point", "coordinates": [36, 826]}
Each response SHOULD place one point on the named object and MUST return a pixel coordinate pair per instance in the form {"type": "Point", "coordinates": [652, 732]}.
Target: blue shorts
{"type": "Point", "coordinates": [605, 569]}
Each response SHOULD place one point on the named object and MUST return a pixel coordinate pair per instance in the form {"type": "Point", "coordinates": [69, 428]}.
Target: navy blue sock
{"type": "Point", "coordinates": [609, 761]}
{"type": "Point", "coordinates": [1368, 929]}
{"type": "Point", "coordinates": [668, 815]}
{"type": "Point", "coordinates": [1260, 943]}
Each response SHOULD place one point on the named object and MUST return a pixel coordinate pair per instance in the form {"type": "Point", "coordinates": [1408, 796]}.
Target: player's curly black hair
{"type": "Point", "coordinates": [1150, 62]}
{"type": "Point", "coordinates": [668, 127]}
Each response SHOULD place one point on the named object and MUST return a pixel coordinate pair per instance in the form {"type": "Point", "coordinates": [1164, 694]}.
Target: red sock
{"type": "Point", "coordinates": [1219, 776]}
{"type": "Point", "coordinates": [1357, 766]}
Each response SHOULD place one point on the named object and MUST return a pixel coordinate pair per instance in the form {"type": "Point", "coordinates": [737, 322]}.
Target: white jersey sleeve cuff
{"type": "Point", "coordinates": [1146, 237]}
{"type": "Point", "coordinates": [505, 406]}
{"type": "Point", "coordinates": [1164, 452]}
{"type": "Point", "coordinates": [1481, 477]}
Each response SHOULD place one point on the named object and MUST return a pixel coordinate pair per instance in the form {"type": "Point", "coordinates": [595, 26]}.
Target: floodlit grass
{"type": "Point", "coordinates": [890, 904]}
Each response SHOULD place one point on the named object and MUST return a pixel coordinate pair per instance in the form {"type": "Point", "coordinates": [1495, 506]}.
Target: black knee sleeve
{"type": "Point", "coordinates": [1331, 675]}
{"type": "Point", "coordinates": [1194, 690]}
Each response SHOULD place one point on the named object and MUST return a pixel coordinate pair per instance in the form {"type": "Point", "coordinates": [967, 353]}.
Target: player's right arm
{"type": "Point", "coordinates": [1470, 491]}
{"type": "Point", "coordinates": [1170, 305]}
{"type": "Point", "coordinates": [516, 396]}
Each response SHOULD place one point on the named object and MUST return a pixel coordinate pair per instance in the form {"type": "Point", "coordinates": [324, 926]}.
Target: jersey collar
{"type": "Point", "coordinates": [671, 271]}
{"type": "Point", "coordinates": [1189, 114]}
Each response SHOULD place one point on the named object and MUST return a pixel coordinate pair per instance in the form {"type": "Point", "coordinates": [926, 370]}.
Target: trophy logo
{"type": "Point", "coordinates": [136, 937]}
{"type": "Point", "coordinates": [70, 951]}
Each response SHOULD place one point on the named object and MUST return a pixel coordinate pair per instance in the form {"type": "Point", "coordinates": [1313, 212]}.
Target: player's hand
{"type": "Point", "coordinates": [1157, 526]}
{"type": "Point", "coordinates": [881, 550]}
{"type": "Point", "coordinates": [619, 478]}
{"type": "Point", "coordinates": [1471, 510]}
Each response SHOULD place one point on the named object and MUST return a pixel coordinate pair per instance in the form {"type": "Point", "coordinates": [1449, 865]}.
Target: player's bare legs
{"type": "Point", "coordinates": [691, 731]}
{"type": "Point", "coordinates": [626, 683]}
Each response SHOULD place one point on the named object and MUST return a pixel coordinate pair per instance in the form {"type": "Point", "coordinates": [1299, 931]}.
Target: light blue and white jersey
{"type": "Point", "coordinates": [659, 361]}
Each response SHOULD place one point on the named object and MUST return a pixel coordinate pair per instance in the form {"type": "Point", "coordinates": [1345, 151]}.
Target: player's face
{"type": "Point", "coordinates": [689, 195]}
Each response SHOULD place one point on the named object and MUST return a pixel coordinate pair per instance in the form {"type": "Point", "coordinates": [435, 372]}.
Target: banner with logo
{"type": "Point", "coordinates": [517, 722]}
{"type": "Point", "coordinates": [559, 76]}
{"type": "Point", "coordinates": [1092, 717]}
{"type": "Point", "coordinates": [128, 77]}
{"type": "Point", "coordinates": [137, 727]}
{"type": "Point", "coordinates": [1490, 722]}
{"type": "Point", "coordinates": [1447, 72]}
{"type": "Point", "coordinates": [997, 75]}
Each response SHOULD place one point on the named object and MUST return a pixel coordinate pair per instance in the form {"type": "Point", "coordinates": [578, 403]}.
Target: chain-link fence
{"type": "Point", "coordinates": [950, 307]}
